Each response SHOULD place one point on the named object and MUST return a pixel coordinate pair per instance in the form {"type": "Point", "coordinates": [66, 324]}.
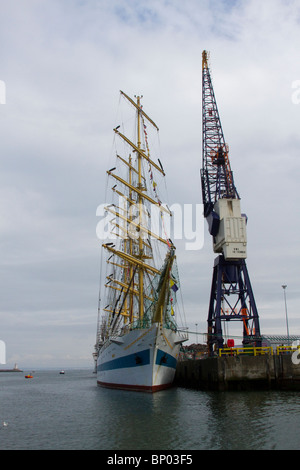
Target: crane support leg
{"type": "Point", "coordinates": [231, 299]}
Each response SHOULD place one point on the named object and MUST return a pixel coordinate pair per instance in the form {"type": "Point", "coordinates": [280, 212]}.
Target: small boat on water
{"type": "Point", "coordinates": [29, 376]}
{"type": "Point", "coordinates": [62, 372]}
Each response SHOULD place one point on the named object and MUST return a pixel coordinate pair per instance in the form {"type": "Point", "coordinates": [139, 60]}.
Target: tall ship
{"type": "Point", "coordinates": [138, 338]}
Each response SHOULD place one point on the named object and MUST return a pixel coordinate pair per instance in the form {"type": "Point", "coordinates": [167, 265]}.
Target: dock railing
{"type": "Point", "coordinates": [250, 351]}
{"type": "Point", "coordinates": [282, 350]}
{"type": "Point", "coordinates": [255, 351]}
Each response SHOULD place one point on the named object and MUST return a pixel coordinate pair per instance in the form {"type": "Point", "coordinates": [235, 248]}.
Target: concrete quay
{"type": "Point", "coordinates": [267, 372]}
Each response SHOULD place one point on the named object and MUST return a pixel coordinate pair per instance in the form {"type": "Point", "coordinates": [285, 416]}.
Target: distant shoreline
{"type": "Point", "coordinates": [11, 370]}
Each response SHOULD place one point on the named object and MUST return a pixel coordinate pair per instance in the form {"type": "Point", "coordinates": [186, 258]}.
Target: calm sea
{"type": "Point", "coordinates": [53, 411]}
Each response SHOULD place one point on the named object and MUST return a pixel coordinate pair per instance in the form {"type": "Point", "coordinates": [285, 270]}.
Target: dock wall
{"type": "Point", "coordinates": [239, 373]}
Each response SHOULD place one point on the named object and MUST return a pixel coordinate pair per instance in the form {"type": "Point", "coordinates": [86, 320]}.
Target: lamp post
{"type": "Point", "coordinates": [286, 316]}
{"type": "Point", "coordinates": [196, 333]}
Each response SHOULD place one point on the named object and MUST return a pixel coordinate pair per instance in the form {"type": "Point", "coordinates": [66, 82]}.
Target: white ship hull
{"type": "Point", "coordinates": [141, 360]}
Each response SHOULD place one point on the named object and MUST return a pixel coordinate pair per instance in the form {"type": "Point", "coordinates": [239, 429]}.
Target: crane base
{"type": "Point", "coordinates": [231, 299]}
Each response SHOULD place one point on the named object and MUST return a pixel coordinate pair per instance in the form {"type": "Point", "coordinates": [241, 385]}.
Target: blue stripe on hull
{"type": "Point", "coordinates": [141, 358]}
{"type": "Point", "coordinates": [165, 359]}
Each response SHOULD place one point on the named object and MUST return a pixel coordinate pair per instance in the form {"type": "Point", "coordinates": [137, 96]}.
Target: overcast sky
{"type": "Point", "coordinates": [63, 64]}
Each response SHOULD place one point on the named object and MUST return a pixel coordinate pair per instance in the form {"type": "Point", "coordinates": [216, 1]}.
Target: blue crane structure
{"type": "Point", "coordinates": [231, 297]}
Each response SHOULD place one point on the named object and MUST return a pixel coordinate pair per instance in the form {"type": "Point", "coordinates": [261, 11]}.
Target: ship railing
{"type": "Point", "coordinates": [147, 323]}
{"type": "Point", "coordinates": [250, 351]}
{"type": "Point", "coordinates": [140, 324]}
{"type": "Point", "coordinates": [183, 332]}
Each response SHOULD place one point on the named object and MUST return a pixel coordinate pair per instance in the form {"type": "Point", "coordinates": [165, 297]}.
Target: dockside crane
{"type": "Point", "coordinates": [231, 297]}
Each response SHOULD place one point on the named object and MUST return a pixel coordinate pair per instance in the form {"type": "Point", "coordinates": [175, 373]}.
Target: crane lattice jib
{"type": "Point", "coordinates": [216, 175]}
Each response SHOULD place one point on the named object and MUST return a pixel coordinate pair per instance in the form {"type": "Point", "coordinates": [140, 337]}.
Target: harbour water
{"type": "Point", "coordinates": [53, 411]}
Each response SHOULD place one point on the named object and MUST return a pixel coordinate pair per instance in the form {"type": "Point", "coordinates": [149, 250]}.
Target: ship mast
{"type": "Point", "coordinates": [133, 287]}
{"type": "Point", "coordinates": [140, 199]}
{"type": "Point", "coordinates": [130, 249]}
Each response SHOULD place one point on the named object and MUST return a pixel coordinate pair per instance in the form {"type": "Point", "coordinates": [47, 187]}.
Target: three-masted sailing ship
{"type": "Point", "coordinates": [138, 338]}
